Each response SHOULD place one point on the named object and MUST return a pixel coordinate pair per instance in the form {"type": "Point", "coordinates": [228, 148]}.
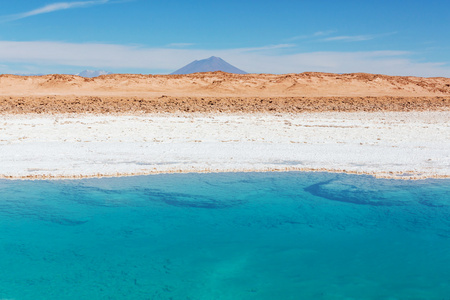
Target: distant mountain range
{"type": "Point", "coordinates": [91, 74]}
{"type": "Point", "coordinates": [211, 64]}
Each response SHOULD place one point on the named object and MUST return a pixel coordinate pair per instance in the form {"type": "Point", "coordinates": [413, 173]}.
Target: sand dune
{"type": "Point", "coordinates": [221, 92]}
{"type": "Point", "coordinates": [225, 84]}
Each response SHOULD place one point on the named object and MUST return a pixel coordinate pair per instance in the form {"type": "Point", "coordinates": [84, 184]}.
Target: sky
{"type": "Point", "coordinates": [259, 36]}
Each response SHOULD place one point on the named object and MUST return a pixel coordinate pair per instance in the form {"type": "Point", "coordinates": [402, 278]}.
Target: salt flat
{"type": "Point", "coordinates": [385, 144]}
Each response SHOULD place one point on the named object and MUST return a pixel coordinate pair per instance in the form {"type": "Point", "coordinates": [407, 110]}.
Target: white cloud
{"type": "Point", "coordinates": [324, 36]}
{"type": "Point", "coordinates": [265, 48]}
{"type": "Point", "coordinates": [350, 38]}
{"type": "Point", "coordinates": [356, 38]}
{"type": "Point", "coordinates": [180, 45]}
{"type": "Point", "coordinates": [269, 59]}
{"type": "Point", "coordinates": [322, 33]}
{"type": "Point", "coordinates": [309, 36]}
{"type": "Point", "coordinates": [51, 8]}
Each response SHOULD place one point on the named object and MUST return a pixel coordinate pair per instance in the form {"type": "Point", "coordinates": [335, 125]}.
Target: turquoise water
{"type": "Point", "coordinates": [225, 236]}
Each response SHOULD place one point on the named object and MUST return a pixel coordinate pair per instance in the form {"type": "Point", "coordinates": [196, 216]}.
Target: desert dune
{"type": "Point", "coordinates": [221, 92]}
{"type": "Point", "coordinates": [226, 85]}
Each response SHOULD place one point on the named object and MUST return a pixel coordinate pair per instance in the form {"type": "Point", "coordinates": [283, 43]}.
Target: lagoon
{"type": "Point", "coordinates": [292, 235]}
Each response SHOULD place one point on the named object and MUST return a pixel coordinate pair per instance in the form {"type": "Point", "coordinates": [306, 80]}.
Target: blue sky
{"type": "Point", "coordinates": [158, 37]}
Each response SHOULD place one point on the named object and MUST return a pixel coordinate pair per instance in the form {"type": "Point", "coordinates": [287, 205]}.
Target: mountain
{"type": "Point", "coordinates": [211, 64]}
{"type": "Point", "coordinates": [91, 74]}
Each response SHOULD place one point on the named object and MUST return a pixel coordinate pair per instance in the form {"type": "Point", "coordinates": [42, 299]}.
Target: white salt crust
{"type": "Point", "coordinates": [406, 145]}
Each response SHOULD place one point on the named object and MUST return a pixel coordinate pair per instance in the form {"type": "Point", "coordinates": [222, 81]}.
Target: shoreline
{"type": "Point", "coordinates": [396, 145]}
{"type": "Point", "coordinates": [393, 176]}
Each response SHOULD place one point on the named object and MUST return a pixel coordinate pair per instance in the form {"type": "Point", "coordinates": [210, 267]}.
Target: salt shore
{"type": "Point", "coordinates": [406, 145]}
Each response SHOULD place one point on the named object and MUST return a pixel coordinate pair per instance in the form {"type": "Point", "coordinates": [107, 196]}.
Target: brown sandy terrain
{"type": "Point", "coordinates": [221, 92]}
{"type": "Point", "coordinates": [107, 104]}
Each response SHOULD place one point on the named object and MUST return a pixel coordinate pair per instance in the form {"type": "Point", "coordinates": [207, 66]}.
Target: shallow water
{"type": "Point", "coordinates": [225, 236]}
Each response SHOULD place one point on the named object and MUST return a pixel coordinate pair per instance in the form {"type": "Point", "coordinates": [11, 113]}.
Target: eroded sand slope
{"type": "Point", "coordinates": [225, 84]}
{"type": "Point", "coordinates": [221, 92]}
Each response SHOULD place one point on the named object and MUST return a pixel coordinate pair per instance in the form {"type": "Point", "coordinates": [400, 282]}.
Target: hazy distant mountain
{"type": "Point", "coordinates": [211, 64]}
{"type": "Point", "coordinates": [91, 74]}
{"type": "Point", "coordinates": [28, 74]}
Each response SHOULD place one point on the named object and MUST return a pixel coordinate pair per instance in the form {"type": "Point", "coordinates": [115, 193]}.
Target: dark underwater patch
{"type": "Point", "coordinates": [94, 196]}
{"type": "Point", "coordinates": [192, 201]}
{"type": "Point", "coordinates": [343, 191]}
{"type": "Point", "coordinates": [66, 222]}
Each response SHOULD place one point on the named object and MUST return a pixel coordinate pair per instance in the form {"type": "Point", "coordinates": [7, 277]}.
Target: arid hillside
{"type": "Point", "coordinates": [221, 92]}
{"type": "Point", "coordinates": [226, 85]}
